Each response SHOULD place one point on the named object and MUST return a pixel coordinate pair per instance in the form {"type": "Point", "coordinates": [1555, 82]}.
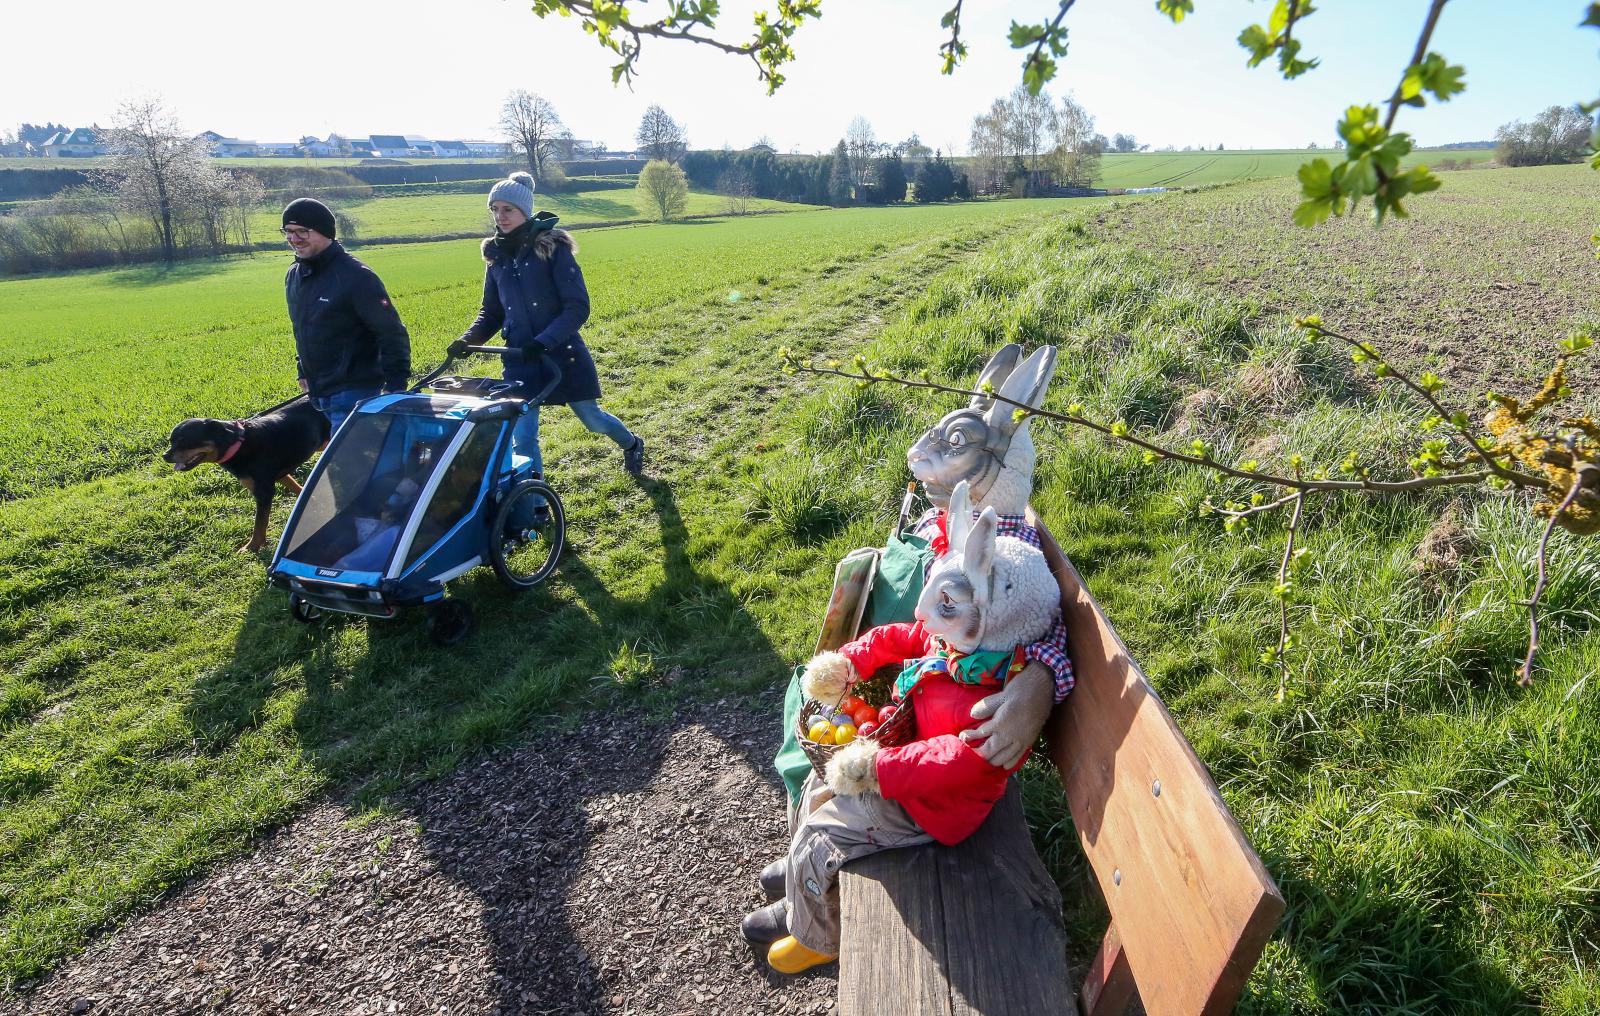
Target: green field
{"type": "Point", "coordinates": [1434, 828]}
{"type": "Point", "coordinates": [454, 214]}
{"type": "Point", "coordinates": [1193, 169]}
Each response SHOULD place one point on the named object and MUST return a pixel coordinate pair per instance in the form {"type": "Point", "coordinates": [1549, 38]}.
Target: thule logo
{"type": "Point", "coordinates": [328, 573]}
{"type": "Point", "coordinates": [323, 299]}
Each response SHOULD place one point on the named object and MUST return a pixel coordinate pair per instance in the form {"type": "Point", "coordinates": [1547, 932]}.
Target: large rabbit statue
{"type": "Point", "coordinates": [984, 443]}
{"type": "Point", "coordinates": [982, 604]}
{"type": "Point", "coordinates": [988, 448]}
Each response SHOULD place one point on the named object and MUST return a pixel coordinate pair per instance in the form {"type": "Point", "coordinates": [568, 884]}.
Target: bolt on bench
{"type": "Point", "coordinates": [977, 929]}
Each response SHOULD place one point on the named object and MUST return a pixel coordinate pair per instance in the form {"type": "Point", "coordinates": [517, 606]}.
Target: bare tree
{"type": "Point", "coordinates": [532, 126]}
{"type": "Point", "coordinates": [660, 137]}
{"type": "Point", "coordinates": [988, 143]}
{"type": "Point", "coordinates": [156, 166]}
{"type": "Point", "coordinates": [1078, 147]}
{"type": "Point", "coordinates": [1559, 134]}
{"type": "Point", "coordinates": [1030, 125]}
{"type": "Point", "coordinates": [861, 144]}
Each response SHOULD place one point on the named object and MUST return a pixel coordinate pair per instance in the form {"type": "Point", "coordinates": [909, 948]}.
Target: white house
{"type": "Point", "coordinates": [488, 149]}
{"type": "Point", "coordinates": [81, 143]}
{"type": "Point", "coordinates": [227, 147]}
{"type": "Point", "coordinates": [390, 146]}
{"type": "Point", "coordinates": [277, 148]}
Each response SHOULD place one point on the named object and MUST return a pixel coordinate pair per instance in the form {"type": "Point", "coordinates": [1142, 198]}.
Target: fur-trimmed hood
{"type": "Point", "coordinates": [539, 232]}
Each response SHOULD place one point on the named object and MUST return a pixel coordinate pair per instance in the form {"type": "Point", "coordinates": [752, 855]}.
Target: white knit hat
{"type": "Point", "coordinates": [516, 190]}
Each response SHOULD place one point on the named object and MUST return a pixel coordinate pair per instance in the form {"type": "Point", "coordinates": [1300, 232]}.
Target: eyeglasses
{"type": "Point", "coordinates": [295, 234]}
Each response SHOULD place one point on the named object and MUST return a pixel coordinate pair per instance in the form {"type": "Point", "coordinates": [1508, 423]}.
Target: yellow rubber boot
{"type": "Point", "coordinates": [788, 956]}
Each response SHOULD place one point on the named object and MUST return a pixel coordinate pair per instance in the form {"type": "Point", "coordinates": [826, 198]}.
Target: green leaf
{"type": "Point", "coordinates": [1259, 44]}
{"type": "Point", "coordinates": [1175, 9]}
{"type": "Point", "coordinates": [1025, 35]}
{"type": "Point", "coordinates": [1592, 19]}
{"type": "Point", "coordinates": [1313, 212]}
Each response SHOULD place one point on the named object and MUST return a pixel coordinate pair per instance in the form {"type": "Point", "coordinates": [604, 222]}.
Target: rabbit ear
{"type": "Point", "coordinates": [995, 372]}
{"type": "Point", "coordinates": [977, 556]}
{"type": "Point", "coordinates": [958, 517]}
{"type": "Point", "coordinates": [1027, 385]}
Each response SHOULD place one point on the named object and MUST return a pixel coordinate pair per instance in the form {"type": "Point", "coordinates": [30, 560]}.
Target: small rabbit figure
{"type": "Point", "coordinates": [984, 443]}
{"type": "Point", "coordinates": [982, 604]}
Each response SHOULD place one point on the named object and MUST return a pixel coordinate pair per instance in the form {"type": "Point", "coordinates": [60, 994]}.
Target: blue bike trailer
{"type": "Point", "coordinates": [395, 508]}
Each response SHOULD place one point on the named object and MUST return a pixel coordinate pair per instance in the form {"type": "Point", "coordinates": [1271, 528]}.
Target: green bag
{"type": "Point", "coordinates": [893, 597]}
{"type": "Point", "coordinates": [901, 568]}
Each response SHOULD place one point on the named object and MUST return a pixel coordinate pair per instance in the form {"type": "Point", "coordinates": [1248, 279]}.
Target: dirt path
{"type": "Point", "coordinates": [603, 871]}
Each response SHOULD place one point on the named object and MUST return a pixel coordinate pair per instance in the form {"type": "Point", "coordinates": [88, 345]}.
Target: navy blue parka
{"type": "Point", "coordinates": [533, 291]}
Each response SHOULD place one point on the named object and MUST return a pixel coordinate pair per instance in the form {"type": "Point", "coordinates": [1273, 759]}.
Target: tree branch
{"type": "Point", "coordinates": [1384, 487]}
{"type": "Point", "coordinates": [1579, 469]}
{"type": "Point", "coordinates": [1416, 58]}
{"type": "Point", "coordinates": [1509, 475]}
{"type": "Point", "coordinates": [1282, 593]}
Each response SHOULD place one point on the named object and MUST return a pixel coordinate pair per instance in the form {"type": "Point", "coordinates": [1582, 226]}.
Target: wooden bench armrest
{"type": "Point", "coordinates": [1191, 905]}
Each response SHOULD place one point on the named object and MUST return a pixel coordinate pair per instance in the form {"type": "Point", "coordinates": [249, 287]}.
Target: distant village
{"type": "Point", "coordinates": [53, 141]}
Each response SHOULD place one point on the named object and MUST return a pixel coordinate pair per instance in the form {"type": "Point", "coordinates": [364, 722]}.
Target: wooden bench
{"type": "Point", "coordinates": [977, 928]}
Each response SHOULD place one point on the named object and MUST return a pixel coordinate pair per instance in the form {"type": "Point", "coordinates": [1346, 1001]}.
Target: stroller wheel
{"type": "Point", "coordinates": [450, 621]}
{"type": "Point", "coordinates": [527, 536]}
{"type": "Point", "coordinates": [302, 611]}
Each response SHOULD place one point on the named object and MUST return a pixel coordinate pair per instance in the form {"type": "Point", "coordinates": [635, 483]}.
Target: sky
{"type": "Point", "coordinates": [442, 70]}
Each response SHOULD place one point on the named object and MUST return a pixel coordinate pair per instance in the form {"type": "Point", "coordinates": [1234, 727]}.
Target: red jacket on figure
{"type": "Point", "coordinates": [942, 782]}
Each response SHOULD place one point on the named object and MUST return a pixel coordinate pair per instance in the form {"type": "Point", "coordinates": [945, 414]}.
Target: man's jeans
{"type": "Point", "coordinates": [340, 404]}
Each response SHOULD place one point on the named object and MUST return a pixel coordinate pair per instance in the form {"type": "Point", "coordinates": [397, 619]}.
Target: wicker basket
{"type": "Point", "coordinates": [900, 729]}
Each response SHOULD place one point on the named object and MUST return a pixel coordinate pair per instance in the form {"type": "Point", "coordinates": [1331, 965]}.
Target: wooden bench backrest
{"type": "Point", "coordinates": [1191, 906]}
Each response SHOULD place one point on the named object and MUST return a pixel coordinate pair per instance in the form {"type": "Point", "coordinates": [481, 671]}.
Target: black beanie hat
{"type": "Point", "coordinates": [312, 214]}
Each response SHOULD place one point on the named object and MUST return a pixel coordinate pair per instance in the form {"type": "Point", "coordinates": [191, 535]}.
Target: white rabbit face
{"type": "Point", "coordinates": [956, 448]}
{"type": "Point", "coordinates": [955, 599]}
{"type": "Point", "coordinates": [950, 607]}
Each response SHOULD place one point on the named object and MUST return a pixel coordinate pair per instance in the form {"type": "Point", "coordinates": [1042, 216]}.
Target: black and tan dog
{"type": "Point", "coordinates": [261, 452]}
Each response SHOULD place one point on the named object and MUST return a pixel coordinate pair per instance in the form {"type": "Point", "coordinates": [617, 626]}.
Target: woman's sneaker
{"type": "Point", "coordinates": [633, 456]}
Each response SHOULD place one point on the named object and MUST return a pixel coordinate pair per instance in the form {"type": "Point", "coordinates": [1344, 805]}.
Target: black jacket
{"type": "Point", "coordinates": [346, 332]}
{"type": "Point", "coordinates": [533, 292]}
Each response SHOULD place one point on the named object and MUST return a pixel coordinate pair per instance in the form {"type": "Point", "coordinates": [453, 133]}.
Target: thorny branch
{"type": "Point", "coordinates": [1426, 394]}
{"type": "Point", "coordinates": [1580, 477]}
{"type": "Point", "coordinates": [1118, 432]}
{"type": "Point", "coordinates": [1280, 657]}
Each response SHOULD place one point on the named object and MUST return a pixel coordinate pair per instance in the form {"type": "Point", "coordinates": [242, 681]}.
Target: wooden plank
{"type": "Point", "coordinates": [955, 931]}
{"type": "Point", "coordinates": [1108, 988]}
{"type": "Point", "coordinates": [1191, 902]}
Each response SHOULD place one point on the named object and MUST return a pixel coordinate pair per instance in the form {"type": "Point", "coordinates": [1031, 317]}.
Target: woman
{"type": "Point", "coordinates": [533, 291]}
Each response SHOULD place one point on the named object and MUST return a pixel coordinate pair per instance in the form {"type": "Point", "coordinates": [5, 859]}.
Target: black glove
{"type": "Point", "coordinates": [456, 349]}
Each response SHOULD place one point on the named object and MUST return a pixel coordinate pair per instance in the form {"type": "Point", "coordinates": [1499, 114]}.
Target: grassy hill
{"type": "Point", "coordinates": [1434, 827]}
{"type": "Point", "coordinates": [1192, 169]}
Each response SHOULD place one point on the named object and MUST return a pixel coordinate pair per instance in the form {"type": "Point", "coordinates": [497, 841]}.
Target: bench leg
{"type": "Point", "coordinates": [1109, 988]}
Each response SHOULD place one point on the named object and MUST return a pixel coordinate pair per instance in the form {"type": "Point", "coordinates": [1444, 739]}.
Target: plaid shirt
{"type": "Point", "coordinates": [1050, 650]}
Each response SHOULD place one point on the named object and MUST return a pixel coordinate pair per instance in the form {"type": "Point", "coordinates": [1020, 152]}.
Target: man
{"type": "Point", "coordinates": [348, 339]}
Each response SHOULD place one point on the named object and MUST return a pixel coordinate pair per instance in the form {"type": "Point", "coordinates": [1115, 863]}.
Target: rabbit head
{"type": "Point", "coordinates": [989, 592]}
{"type": "Point", "coordinates": [984, 444]}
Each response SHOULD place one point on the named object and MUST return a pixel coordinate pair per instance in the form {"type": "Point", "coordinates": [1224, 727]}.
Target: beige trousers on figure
{"type": "Point", "coordinates": [829, 831]}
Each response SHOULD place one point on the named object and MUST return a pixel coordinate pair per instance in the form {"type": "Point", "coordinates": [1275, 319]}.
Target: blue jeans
{"type": "Point", "coordinates": [525, 435]}
{"type": "Point", "coordinates": [340, 404]}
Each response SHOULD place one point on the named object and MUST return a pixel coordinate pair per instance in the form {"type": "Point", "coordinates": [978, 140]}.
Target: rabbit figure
{"type": "Point", "coordinates": [981, 605]}
{"type": "Point", "coordinates": [984, 443]}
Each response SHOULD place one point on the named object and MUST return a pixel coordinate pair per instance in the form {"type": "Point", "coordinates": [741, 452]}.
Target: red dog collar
{"type": "Point", "coordinates": [238, 442]}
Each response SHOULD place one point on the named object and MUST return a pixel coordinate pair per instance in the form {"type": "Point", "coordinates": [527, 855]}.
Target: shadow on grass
{"type": "Point", "coordinates": [1353, 942]}
{"type": "Point", "coordinates": [160, 274]}
{"type": "Point", "coordinates": [382, 708]}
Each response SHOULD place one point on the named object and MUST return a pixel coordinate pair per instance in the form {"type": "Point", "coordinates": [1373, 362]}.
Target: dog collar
{"type": "Point", "coordinates": [233, 449]}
